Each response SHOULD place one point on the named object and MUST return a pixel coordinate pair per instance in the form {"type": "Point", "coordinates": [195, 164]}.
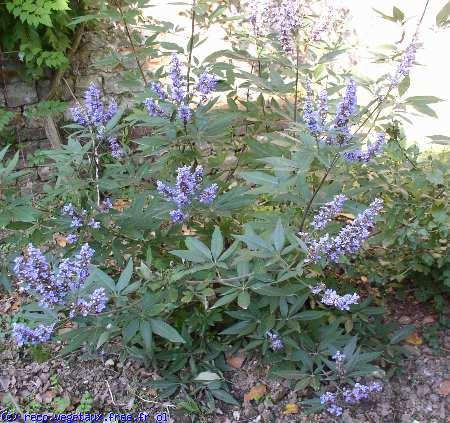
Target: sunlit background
{"type": "Point", "coordinates": [428, 78]}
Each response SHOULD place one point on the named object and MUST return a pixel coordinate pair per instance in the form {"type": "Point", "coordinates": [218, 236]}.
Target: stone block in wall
{"type": "Point", "coordinates": [113, 84]}
{"type": "Point", "coordinates": [20, 93]}
{"type": "Point", "coordinates": [43, 88]}
{"type": "Point", "coordinates": [83, 82]}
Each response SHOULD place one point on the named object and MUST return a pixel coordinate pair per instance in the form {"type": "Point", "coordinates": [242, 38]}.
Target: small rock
{"type": "Point", "coordinates": [109, 362]}
{"type": "Point", "coordinates": [428, 320]}
{"type": "Point", "coordinates": [405, 320]}
{"type": "Point", "coordinates": [434, 398]}
{"type": "Point", "coordinates": [385, 409]}
{"type": "Point", "coordinates": [346, 418]}
{"type": "Point", "coordinates": [406, 418]}
{"type": "Point", "coordinates": [423, 390]}
{"type": "Point", "coordinates": [44, 173]}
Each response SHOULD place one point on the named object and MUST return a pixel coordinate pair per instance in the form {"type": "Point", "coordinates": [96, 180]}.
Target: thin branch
{"type": "Point", "coordinates": [191, 47]}
{"type": "Point", "coordinates": [296, 82]}
{"type": "Point", "coordinates": [130, 39]}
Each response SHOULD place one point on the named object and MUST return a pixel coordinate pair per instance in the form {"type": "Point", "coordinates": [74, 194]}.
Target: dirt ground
{"type": "Point", "coordinates": [419, 393]}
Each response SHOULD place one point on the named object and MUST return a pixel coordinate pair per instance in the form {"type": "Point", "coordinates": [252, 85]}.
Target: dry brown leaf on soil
{"type": "Point", "coordinates": [256, 393]}
{"type": "Point", "coordinates": [120, 204]}
{"type": "Point", "coordinates": [188, 231]}
{"type": "Point", "coordinates": [236, 361]}
{"type": "Point", "coordinates": [444, 388]}
{"type": "Point", "coordinates": [61, 240]}
{"type": "Point", "coordinates": [414, 339]}
{"type": "Point", "coordinates": [291, 408]}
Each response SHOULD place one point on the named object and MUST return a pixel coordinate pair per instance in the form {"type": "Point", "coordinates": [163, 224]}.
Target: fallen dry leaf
{"type": "Point", "coordinates": [61, 240]}
{"type": "Point", "coordinates": [291, 408]}
{"type": "Point", "coordinates": [47, 397]}
{"type": "Point", "coordinates": [187, 231]}
{"type": "Point", "coordinates": [256, 393]}
{"type": "Point", "coordinates": [120, 204]}
{"type": "Point", "coordinates": [236, 361]}
{"type": "Point", "coordinates": [444, 388]}
{"type": "Point", "coordinates": [414, 339]}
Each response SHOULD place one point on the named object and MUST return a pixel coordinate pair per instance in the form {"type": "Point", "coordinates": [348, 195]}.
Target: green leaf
{"type": "Point", "coordinates": [130, 330]}
{"type": "Point", "coordinates": [278, 236]}
{"type": "Point", "coordinates": [329, 57]}
{"type": "Point", "coordinates": [402, 334]}
{"type": "Point", "coordinates": [216, 243]}
{"type": "Point", "coordinates": [244, 300]}
{"type": "Point", "coordinates": [105, 280]}
{"type": "Point", "coordinates": [207, 376]}
{"type": "Point", "coordinates": [240, 328]}
{"type": "Point", "coordinates": [226, 299]}
{"type": "Point", "coordinates": [440, 139]}
{"type": "Point", "coordinates": [311, 315]}
{"type": "Point", "coordinates": [196, 246]}
{"type": "Point", "coordinates": [398, 14]}
{"type": "Point", "coordinates": [145, 329]}
{"type": "Point", "coordinates": [404, 85]}
{"type": "Point", "coordinates": [125, 276]}
{"type": "Point", "coordinates": [259, 178]}
{"type": "Point", "coordinates": [443, 15]}
{"type": "Point", "coordinates": [224, 396]}
{"type": "Point", "coordinates": [166, 331]}
{"type": "Point", "coordinates": [424, 109]}
{"type": "Point", "coordinates": [103, 338]}
{"type": "Point", "coordinates": [423, 99]}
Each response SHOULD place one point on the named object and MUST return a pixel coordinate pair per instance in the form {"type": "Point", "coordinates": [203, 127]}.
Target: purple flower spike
{"type": "Point", "coordinates": [206, 84]}
{"type": "Point", "coordinates": [365, 156]}
{"type": "Point", "coordinates": [177, 80]}
{"type": "Point", "coordinates": [186, 189]}
{"type": "Point", "coordinates": [153, 109]}
{"type": "Point", "coordinates": [405, 63]}
{"type": "Point", "coordinates": [345, 110]}
{"type": "Point", "coordinates": [209, 194]}
{"type": "Point", "coordinates": [94, 304]}
{"type": "Point", "coordinates": [25, 335]}
{"type": "Point", "coordinates": [115, 148]}
{"type": "Point", "coordinates": [328, 212]}
{"type": "Point", "coordinates": [177, 216]}
{"type": "Point", "coordinates": [275, 341]}
{"type": "Point", "coordinates": [184, 113]}
{"type": "Point", "coordinates": [157, 88]}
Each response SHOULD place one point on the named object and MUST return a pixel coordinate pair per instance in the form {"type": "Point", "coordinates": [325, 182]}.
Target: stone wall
{"type": "Point", "coordinates": [17, 95]}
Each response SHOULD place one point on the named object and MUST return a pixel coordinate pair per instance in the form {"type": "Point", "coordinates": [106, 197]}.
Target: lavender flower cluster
{"type": "Point", "coordinates": [340, 129]}
{"type": "Point", "coordinates": [286, 17]}
{"type": "Point", "coordinates": [315, 118]}
{"type": "Point", "coordinates": [331, 298]}
{"type": "Point", "coordinates": [95, 303]}
{"type": "Point", "coordinates": [367, 155]}
{"type": "Point", "coordinates": [53, 287]}
{"type": "Point", "coordinates": [275, 341]}
{"type": "Point", "coordinates": [405, 64]}
{"type": "Point", "coordinates": [178, 92]}
{"type": "Point", "coordinates": [187, 189]}
{"type": "Point", "coordinates": [25, 335]}
{"type": "Point", "coordinates": [78, 220]}
{"type": "Point", "coordinates": [96, 115]}
{"type": "Point", "coordinates": [315, 115]}
{"type": "Point", "coordinates": [329, 211]}
{"type": "Point", "coordinates": [348, 241]}
{"type": "Point", "coordinates": [350, 396]}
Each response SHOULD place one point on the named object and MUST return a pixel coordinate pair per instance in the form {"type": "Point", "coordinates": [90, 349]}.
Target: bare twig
{"type": "Point", "coordinates": [130, 39]}
{"type": "Point", "coordinates": [191, 47]}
